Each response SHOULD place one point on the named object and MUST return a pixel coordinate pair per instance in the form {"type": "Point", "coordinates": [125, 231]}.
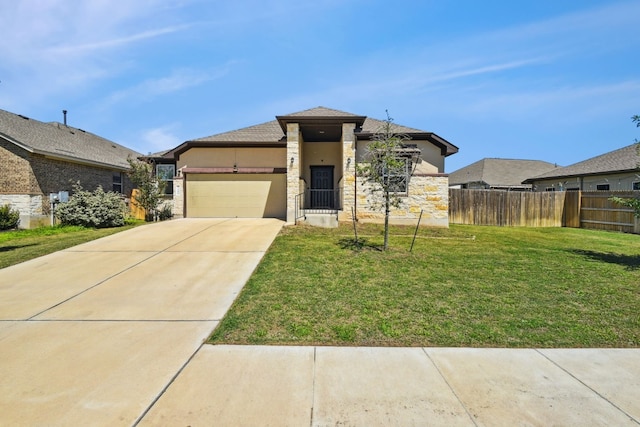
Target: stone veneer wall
{"type": "Point", "coordinates": [178, 197]}
{"type": "Point", "coordinates": [429, 193]}
{"type": "Point", "coordinates": [293, 169]}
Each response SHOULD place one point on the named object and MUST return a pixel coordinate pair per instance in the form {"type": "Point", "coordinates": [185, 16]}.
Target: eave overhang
{"type": "Point", "coordinates": [579, 175]}
{"type": "Point", "coordinates": [446, 148]}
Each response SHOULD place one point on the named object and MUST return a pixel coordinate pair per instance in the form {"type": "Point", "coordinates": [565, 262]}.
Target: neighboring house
{"type": "Point", "coordinates": [616, 170]}
{"type": "Point", "coordinates": [499, 174]}
{"type": "Point", "coordinates": [299, 165]}
{"type": "Point", "coordinates": [38, 159]}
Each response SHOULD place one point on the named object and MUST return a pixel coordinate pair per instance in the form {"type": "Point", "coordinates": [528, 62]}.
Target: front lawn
{"type": "Point", "coordinates": [466, 286]}
{"type": "Point", "coordinates": [21, 245]}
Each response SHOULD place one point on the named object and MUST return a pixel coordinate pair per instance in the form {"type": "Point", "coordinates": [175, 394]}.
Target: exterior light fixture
{"type": "Point", "coordinates": [348, 161]}
{"type": "Point", "coordinates": [292, 161]}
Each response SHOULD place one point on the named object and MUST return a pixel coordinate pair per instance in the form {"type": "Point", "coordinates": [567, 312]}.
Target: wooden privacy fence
{"type": "Point", "coordinates": [542, 209]}
{"type": "Point", "coordinates": [598, 212]}
{"type": "Point", "coordinates": [137, 211]}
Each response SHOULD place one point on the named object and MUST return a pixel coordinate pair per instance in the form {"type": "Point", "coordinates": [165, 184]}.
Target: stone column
{"type": "Point", "coordinates": [293, 169]}
{"type": "Point", "coordinates": [348, 170]}
{"type": "Point", "coordinates": [178, 196]}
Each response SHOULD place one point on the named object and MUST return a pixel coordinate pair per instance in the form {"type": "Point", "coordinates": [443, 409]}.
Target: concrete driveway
{"type": "Point", "coordinates": [92, 335]}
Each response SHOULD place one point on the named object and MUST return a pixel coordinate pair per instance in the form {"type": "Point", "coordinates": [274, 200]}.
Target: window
{"type": "Point", "coordinates": [549, 189]}
{"type": "Point", "coordinates": [165, 173]}
{"type": "Point", "coordinates": [117, 183]}
{"type": "Point", "coordinates": [397, 177]}
{"type": "Point", "coordinates": [602, 187]}
{"type": "Point", "coordinates": [636, 185]}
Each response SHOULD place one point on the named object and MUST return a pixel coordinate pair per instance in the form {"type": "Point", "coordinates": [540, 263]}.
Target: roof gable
{"type": "Point", "coordinates": [63, 142]}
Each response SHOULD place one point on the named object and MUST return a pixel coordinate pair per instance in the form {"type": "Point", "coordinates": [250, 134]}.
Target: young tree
{"type": "Point", "coordinates": [631, 203]}
{"type": "Point", "coordinates": [151, 189]}
{"type": "Point", "coordinates": [386, 170]}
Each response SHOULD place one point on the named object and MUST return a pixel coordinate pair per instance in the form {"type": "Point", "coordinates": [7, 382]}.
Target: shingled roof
{"type": "Point", "coordinates": [63, 142]}
{"type": "Point", "coordinates": [500, 172]}
{"type": "Point", "coordinates": [273, 133]}
{"type": "Point", "coordinates": [625, 159]}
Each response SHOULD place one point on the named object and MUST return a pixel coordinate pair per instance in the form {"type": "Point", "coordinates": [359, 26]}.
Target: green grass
{"type": "Point", "coordinates": [21, 245]}
{"type": "Point", "coordinates": [466, 286]}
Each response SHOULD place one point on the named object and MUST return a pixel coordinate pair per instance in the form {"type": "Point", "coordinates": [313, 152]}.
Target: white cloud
{"type": "Point", "coordinates": [159, 139]}
{"type": "Point", "coordinates": [51, 48]}
{"type": "Point", "coordinates": [179, 79]}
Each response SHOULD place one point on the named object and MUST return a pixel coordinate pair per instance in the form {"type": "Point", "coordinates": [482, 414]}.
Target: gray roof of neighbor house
{"type": "Point", "coordinates": [62, 142]}
{"type": "Point", "coordinates": [625, 159]}
{"type": "Point", "coordinates": [500, 172]}
{"type": "Point", "coordinates": [273, 133]}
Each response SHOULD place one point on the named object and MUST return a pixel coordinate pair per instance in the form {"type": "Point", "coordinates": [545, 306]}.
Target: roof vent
{"type": "Point", "coordinates": [64, 114]}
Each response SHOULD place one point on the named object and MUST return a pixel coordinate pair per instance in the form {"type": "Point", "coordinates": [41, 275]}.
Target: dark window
{"type": "Point", "coordinates": [602, 187]}
{"type": "Point", "coordinates": [636, 185]}
{"type": "Point", "coordinates": [550, 189]}
{"type": "Point", "coordinates": [117, 183]}
{"type": "Point", "coordinates": [165, 173]}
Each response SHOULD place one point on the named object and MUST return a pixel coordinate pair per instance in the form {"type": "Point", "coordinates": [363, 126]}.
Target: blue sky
{"type": "Point", "coordinates": [547, 80]}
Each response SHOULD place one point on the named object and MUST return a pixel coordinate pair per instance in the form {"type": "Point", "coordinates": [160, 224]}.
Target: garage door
{"type": "Point", "coordinates": [236, 196]}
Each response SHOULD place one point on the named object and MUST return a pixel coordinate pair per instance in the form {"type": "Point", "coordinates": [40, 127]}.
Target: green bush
{"type": "Point", "coordinates": [9, 218]}
{"type": "Point", "coordinates": [98, 209]}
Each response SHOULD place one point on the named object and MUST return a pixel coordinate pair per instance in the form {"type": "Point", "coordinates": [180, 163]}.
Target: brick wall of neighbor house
{"type": "Point", "coordinates": [427, 193]}
{"type": "Point", "coordinates": [15, 175]}
{"type": "Point", "coordinates": [55, 175]}
{"type": "Point", "coordinates": [27, 179]}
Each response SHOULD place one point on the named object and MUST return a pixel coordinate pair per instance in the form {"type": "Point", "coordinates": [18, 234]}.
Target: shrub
{"type": "Point", "coordinates": [166, 212]}
{"type": "Point", "coordinates": [98, 209]}
{"type": "Point", "coordinates": [9, 218]}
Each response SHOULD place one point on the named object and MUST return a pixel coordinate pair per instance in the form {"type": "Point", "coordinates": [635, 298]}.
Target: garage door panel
{"type": "Point", "coordinates": [237, 195]}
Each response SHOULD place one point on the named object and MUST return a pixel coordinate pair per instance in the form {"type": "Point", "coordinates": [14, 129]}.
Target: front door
{"type": "Point", "coordinates": [322, 194]}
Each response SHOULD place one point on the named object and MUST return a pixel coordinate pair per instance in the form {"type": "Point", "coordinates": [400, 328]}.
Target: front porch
{"type": "Point", "coordinates": [319, 207]}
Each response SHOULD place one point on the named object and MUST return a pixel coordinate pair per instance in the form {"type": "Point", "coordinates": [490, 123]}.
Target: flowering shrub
{"type": "Point", "coordinates": [9, 218]}
{"type": "Point", "coordinates": [98, 209]}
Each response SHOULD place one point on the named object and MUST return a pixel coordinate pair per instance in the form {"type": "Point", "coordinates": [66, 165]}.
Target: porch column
{"type": "Point", "coordinates": [348, 170]}
{"type": "Point", "coordinates": [293, 169]}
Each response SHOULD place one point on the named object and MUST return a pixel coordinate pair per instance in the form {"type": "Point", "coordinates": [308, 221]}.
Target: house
{"type": "Point", "coordinates": [615, 170]}
{"type": "Point", "coordinates": [499, 174]}
{"type": "Point", "coordinates": [39, 158]}
{"type": "Point", "coordinates": [302, 166]}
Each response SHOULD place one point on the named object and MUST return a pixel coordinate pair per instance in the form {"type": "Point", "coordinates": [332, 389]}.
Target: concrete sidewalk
{"type": "Point", "coordinates": [111, 333]}
{"type": "Point", "coordinates": [330, 386]}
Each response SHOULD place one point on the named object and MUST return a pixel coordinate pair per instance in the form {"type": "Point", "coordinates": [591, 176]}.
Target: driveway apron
{"type": "Point", "coordinates": [92, 335]}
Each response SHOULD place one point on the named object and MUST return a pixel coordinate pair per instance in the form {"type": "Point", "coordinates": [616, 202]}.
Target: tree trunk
{"type": "Point", "coordinates": [386, 221]}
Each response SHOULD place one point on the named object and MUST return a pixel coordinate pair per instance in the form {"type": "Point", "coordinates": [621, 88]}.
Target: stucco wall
{"type": "Point", "coordinates": [431, 160]}
{"type": "Point", "coordinates": [206, 157]}
{"type": "Point", "coordinates": [322, 154]}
